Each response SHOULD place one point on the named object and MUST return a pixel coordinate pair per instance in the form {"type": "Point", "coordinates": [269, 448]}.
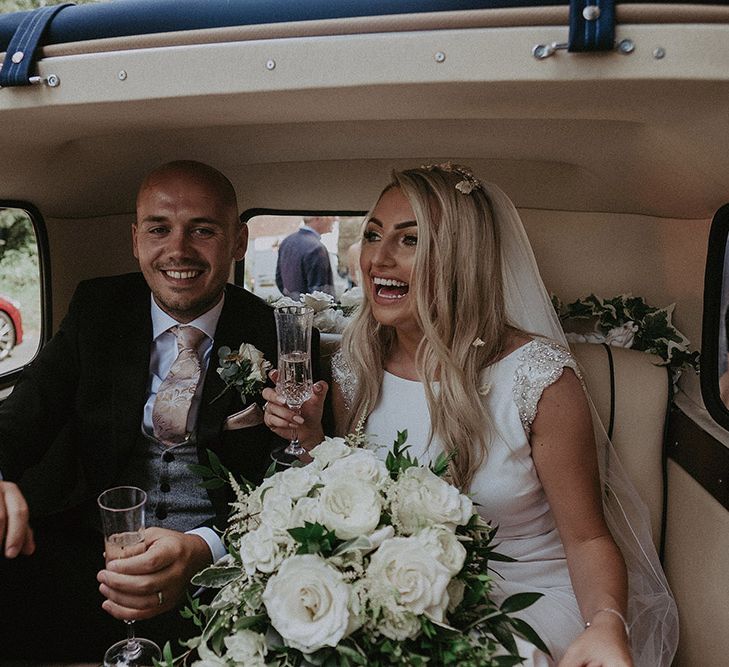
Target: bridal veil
{"type": "Point", "coordinates": [652, 613]}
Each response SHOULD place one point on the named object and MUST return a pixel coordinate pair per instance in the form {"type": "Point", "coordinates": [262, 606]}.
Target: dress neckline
{"type": "Point", "coordinates": [494, 364]}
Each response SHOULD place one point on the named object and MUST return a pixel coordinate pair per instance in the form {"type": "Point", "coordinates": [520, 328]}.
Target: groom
{"type": "Point", "coordinates": [100, 391]}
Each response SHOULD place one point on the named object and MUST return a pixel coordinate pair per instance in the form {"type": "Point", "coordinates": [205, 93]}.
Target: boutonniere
{"type": "Point", "coordinates": [245, 370]}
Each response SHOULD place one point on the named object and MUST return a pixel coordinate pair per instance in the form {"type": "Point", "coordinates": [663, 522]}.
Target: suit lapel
{"type": "Point", "coordinates": [130, 370]}
{"type": "Point", "coordinates": [231, 332]}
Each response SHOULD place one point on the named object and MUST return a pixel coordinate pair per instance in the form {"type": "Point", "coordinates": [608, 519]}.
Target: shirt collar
{"type": "Point", "coordinates": [309, 229]}
{"type": "Point", "coordinates": [207, 322]}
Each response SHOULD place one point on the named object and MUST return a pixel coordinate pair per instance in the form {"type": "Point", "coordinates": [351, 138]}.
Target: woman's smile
{"type": "Point", "coordinates": [389, 288]}
{"type": "Point", "coordinates": [389, 243]}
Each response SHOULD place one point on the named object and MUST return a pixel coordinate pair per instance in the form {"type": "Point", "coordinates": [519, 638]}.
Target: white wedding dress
{"type": "Point", "coordinates": [506, 487]}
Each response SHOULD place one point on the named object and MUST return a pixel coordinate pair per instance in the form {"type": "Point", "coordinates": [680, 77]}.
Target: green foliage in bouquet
{"type": "Point", "coordinates": [628, 321]}
{"type": "Point", "coordinates": [354, 561]}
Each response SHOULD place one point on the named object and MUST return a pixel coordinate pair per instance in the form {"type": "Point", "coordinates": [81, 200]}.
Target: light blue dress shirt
{"type": "Point", "coordinates": [162, 355]}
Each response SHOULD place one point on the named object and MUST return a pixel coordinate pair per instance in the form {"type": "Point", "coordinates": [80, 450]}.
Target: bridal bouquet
{"type": "Point", "coordinates": [354, 561]}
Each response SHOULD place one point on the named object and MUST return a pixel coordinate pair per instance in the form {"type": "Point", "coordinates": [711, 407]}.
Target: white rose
{"type": "Point", "coordinates": [305, 509]}
{"type": "Point", "coordinates": [308, 603]}
{"type": "Point", "coordinates": [595, 338]}
{"type": "Point", "coordinates": [285, 302]}
{"type": "Point", "coordinates": [362, 464]}
{"type": "Point", "coordinates": [330, 321]}
{"type": "Point", "coordinates": [256, 374]}
{"type": "Point", "coordinates": [408, 571]}
{"type": "Point", "coordinates": [259, 365]}
{"type": "Point", "coordinates": [420, 499]}
{"type": "Point", "coordinates": [317, 301]}
{"type": "Point", "coordinates": [247, 647]}
{"type": "Point", "coordinates": [622, 336]}
{"type": "Point", "coordinates": [351, 298]}
{"type": "Point", "coordinates": [349, 506]}
{"type": "Point", "coordinates": [451, 553]}
{"type": "Point", "coordinates": [276, 509]}
{"type": "Point", "coordinates": [263, 549]}
{"type": "Point", "coordinates": [330, 449]}
{"type": "Point", "coordinates": [296, 482]}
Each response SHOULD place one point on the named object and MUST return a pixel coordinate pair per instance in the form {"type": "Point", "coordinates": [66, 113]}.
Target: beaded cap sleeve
{"type": "Point", "coordinates": [539, 364]}
{"type": "Point", "coordinates": [343, 376]}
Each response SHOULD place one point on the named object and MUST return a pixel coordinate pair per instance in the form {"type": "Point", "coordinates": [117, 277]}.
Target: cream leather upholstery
{"type": "Point", "coordinates": [639, 414]}
{"type": "Point", "coordinates": [639, 411]}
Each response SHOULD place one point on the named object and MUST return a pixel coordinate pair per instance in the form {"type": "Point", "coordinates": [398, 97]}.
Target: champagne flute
{"type": "Point", "coordinates": [122, 519]}
{"type": "Point", "coordinates": [295, 385]}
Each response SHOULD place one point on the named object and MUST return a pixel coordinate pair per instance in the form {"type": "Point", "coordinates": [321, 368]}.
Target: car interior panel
{"type": "Point", "coordinates": [617, 162]}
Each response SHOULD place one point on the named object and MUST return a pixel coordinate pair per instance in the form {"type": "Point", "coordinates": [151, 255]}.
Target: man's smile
{"type": "Point", "coordinates": [177, 274]}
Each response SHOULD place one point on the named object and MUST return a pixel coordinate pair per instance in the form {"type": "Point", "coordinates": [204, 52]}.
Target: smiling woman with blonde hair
{"type": "Point", "coordinates": [449, 310]}
{"type": "Point", "coordinates": [458, 343]}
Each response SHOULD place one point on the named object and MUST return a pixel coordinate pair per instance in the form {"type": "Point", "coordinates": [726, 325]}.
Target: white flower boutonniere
{"type": "Point", "coordinates": [245, 370]}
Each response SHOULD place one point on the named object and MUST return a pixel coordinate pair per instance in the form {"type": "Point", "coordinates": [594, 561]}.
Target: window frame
{"type": "Point", "coordinates": [240, 267]}
{"type": "Point", "coordinates": [716, 256]}
{"type": "Point", "coordinates": [9, 378]}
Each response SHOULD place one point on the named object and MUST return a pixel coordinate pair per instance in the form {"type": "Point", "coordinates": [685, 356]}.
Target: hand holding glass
{"type": "Point", "coordinates": [122, 520]}
{"type": "Point", "coordinates": [293, 329]}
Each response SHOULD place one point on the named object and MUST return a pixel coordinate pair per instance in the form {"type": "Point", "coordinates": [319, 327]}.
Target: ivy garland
{"type": "Point", "coordinates": [628, 321]}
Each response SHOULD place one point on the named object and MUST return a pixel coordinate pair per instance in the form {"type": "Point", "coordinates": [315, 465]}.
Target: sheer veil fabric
{"type": "Point", "coordinates": [652, 612]}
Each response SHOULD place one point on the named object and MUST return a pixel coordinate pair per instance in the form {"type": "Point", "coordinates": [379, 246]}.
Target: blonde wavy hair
{"type": "Point", "coordinates": [458, 294]}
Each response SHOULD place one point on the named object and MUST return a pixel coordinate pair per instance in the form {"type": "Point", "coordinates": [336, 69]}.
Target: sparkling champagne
{"type": "Point", "coordinates": [295, 380]}
{"type": "Point", "coordinates": [124, 545]}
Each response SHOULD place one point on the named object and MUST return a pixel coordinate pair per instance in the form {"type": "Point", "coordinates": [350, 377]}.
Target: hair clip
{"type": "Point", "coordinates": [465, 186]}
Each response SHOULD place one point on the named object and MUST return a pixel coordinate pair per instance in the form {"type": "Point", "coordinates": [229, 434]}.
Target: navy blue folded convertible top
{"type": "Point", "coordinates": [139, 17]}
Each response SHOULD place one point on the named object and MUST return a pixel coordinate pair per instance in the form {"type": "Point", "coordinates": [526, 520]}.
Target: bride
{"type": "Point", "coordinates": [457, 342]}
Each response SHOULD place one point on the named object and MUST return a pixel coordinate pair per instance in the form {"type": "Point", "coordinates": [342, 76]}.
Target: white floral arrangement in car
{"type": "Point", "coordinates": [628, 321]}
{"type": "Point", "coordinates": [352, 560]}
{"type": "Point", "coordinates": [330, 316]}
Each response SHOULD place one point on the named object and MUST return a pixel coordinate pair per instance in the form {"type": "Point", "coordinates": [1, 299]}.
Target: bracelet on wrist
{"type": "Point", "coordinates": [610, 610]}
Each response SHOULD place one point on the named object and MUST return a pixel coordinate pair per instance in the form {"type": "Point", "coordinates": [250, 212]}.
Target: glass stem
{"type": "Point", "coordinates": [132, 644]}
{"type": "Point", "coordinates": [294, 444]}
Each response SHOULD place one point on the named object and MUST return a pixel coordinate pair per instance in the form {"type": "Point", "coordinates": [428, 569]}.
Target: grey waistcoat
{"type": "Point", "coordinates": [174, 499]}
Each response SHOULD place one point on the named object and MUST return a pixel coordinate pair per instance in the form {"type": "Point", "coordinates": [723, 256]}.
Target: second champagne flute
{"type": "Point", "coordinates": [122, 519]}
{"type": "Point", "coordinates": [295, 385]}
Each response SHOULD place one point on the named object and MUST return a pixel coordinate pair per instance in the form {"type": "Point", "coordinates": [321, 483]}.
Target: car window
{"type": "Point", "coordinates": [715, 334]}
{"type": "Point", "coordinates": [337, 233]}
{"type": "Point", "coordinates": [21, 322]}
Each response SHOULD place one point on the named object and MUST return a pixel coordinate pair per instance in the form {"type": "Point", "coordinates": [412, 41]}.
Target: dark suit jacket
{"type": "Point", "coordinates": [84, 395]}
{"type": "Point", "coordinates": [303, 265]}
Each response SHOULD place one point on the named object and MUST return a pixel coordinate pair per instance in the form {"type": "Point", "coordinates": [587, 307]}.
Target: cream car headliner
{"type": "Point", "coordinates": [306, 115]}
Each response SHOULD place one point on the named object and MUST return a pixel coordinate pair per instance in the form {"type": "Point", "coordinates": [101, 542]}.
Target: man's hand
{"type": "Point", "coordinates": [15, 531]}
{"type": "Point", "coordinates": [156, 581]}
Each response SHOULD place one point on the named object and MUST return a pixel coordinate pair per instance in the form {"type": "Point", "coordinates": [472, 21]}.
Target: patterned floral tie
{"type": "Point", "coordinates": [174, 396]}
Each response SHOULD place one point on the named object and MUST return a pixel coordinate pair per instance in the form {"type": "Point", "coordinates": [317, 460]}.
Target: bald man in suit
{"type": "Point", "coordinates": [91, 394]}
